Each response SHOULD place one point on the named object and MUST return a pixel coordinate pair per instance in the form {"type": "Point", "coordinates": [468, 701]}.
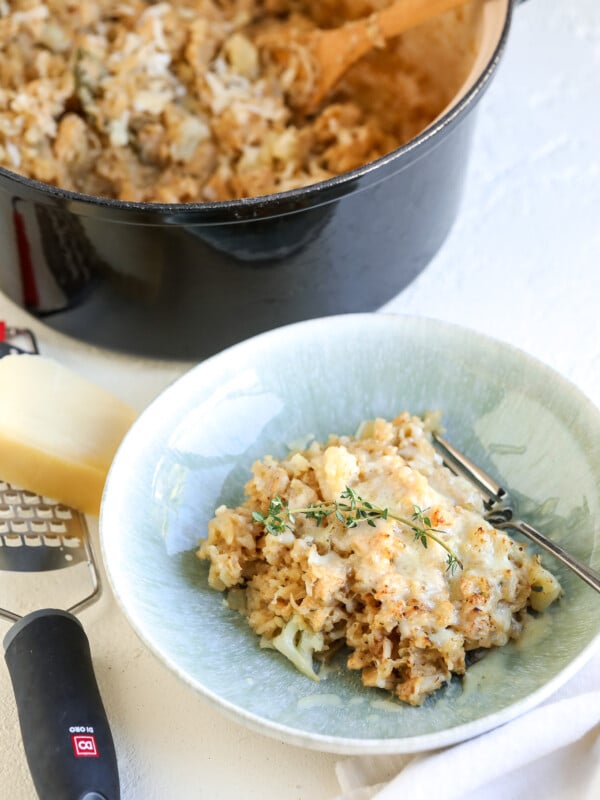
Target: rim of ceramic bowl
{"type": "Point", "coordinates": [280, 203]}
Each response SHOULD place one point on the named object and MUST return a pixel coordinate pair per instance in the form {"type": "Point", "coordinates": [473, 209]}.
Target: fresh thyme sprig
{"type": "Point", "coordinates": [350, 510]}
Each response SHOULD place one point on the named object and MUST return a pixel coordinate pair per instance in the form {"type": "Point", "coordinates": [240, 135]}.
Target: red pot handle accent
{"type": "Point", "coordinates": [31, 298]}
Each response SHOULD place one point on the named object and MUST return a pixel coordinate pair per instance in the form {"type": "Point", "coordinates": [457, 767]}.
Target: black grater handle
{"type": "Point", "coordinates": [66, 735]}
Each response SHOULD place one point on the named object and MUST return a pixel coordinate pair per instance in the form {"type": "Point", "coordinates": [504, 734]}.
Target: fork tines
{"type": "Point", "coordinates": [459, 463]}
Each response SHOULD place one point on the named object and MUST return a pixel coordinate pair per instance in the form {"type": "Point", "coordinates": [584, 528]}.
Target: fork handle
{"type": "Point", "coordinates": [65, 731]}
{"type": "Point", "coordinates": [586, 573]}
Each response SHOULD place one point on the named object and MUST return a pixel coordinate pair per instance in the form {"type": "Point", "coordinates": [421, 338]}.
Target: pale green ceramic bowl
{"type": "Point", "coordinates": [191, 450]}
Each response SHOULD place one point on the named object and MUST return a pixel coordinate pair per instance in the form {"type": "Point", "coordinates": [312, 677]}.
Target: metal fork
{"type": "Point", "coordinates": [501, 515]}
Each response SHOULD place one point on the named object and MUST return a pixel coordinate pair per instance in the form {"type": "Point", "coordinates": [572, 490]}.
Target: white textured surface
{"type": "Point", "coordinates": [523, 260]}
{"type": "Point", "coordinates": [522, 264]}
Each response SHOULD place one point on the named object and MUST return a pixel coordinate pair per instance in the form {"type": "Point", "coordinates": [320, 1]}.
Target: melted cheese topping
{"type": "Point", "coordinates": [407, 618]}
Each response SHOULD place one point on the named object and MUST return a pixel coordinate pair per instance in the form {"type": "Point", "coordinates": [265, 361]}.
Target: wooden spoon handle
{"type": "Point", "coordinates": [337, 49]}
{"type": "Point", "coordinates": [405, 14]}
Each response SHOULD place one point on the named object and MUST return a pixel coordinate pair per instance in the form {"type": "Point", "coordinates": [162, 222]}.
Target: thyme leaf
{"type": "Point", "coordinates": [350, 510]}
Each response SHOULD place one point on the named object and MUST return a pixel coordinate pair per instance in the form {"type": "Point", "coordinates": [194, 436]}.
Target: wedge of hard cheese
{"type": "Point", "coordinates": [58, 431]}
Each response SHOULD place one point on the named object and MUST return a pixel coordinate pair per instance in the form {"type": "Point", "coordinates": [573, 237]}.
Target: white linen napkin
{"type": "Point", "coordinates": [552, 752]}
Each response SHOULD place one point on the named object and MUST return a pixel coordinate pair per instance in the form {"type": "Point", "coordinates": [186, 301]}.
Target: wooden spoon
{"type": "Point", "coordinates": [333, 51]}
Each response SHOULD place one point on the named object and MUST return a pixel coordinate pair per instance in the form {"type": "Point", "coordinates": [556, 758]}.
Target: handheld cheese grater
{"type": "Point", "coordinates": [65, 731]}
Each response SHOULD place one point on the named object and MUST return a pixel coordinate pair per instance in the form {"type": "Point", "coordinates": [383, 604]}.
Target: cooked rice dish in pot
{"type": "Point", "coordinates": [182, 101]}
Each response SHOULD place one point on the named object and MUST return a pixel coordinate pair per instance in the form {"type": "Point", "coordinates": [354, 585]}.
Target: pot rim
{"type": "Point", "coordinates": [272, 205]}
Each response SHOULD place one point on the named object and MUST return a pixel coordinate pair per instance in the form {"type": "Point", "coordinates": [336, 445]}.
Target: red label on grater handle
{"type": "Point", "coordinates": [84, 745]}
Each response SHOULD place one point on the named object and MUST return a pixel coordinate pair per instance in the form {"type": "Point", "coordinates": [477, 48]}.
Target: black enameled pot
{"type": "Point", "coordinates": [184, 281]}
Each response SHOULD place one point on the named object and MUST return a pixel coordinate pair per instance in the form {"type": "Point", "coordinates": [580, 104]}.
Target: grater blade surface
{"type": "Point", "coordinates": [38, 534]}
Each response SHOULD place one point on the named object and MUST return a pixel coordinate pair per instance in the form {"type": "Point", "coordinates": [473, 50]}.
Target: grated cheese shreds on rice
{"type": "Point", "coordinates": [407, 619]}
{"type": "Point", "coordinates": [181, 101]}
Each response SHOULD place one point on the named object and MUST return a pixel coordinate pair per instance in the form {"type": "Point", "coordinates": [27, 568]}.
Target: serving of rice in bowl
{"type": "Point", "coordinates": [385, 623]}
